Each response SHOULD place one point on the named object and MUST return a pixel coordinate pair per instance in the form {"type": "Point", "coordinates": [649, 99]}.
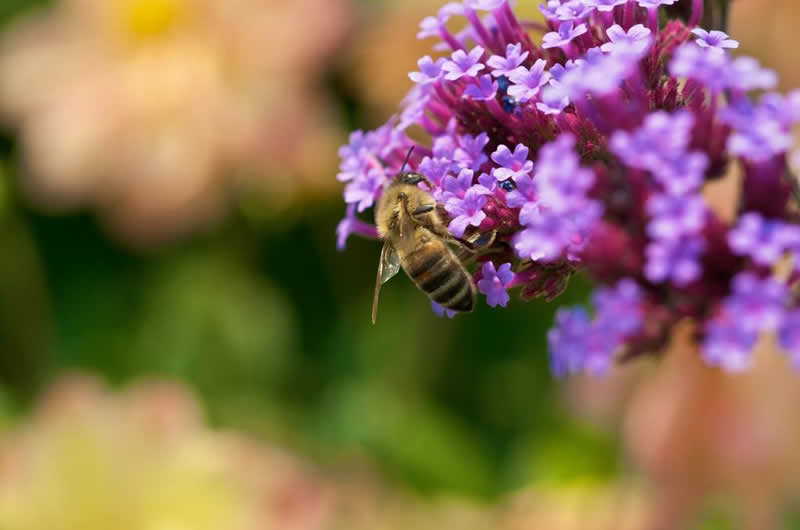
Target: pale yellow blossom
{"type": "Point", "coordinates": [154, 111]}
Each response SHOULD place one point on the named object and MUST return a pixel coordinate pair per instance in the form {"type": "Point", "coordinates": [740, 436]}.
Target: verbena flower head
{"type": "Point", "coordinates": [588, 151]}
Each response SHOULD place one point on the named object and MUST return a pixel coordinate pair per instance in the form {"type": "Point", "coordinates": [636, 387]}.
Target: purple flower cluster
{"type": "Point", "coordinates": [555, 214]}
{"type": "Point", "coordinates": [579, 344]}
{"type": "Point", "coordinates": [755, 305]}
{"type": "Point", "coordinates": [589, 151]}
{"type": "Point", "coordinates": [765, 241]}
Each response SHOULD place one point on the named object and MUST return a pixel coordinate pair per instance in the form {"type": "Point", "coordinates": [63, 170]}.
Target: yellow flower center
{"type": "Point", "coordinates": [145, 19]}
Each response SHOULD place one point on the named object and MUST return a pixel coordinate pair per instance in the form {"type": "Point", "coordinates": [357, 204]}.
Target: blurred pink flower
{"type": "Point", "coordinates": [143, 459]}
{"type": "Point", "coordinates": [152, 110]}
{"type": "Point", "coordinates": [697, 434]}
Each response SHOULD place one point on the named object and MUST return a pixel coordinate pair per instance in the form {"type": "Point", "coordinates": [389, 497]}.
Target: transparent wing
{"type": "Point", "coordinates": [388, 266]}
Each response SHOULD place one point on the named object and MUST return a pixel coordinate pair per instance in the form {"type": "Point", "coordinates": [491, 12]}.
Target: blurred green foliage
{"type": "Point", "coordinates": [269, 324]}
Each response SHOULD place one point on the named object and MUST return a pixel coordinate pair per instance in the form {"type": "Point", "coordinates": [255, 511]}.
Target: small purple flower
{"type": "Point", "coordinates": [386, 139]}
{"type": "Point", "coordinates": [605, 5]}
{"type": "Point", "coordinates": [467, 210]}
{"type": "Point", "coordinates": [463, 64]}
{"type": "Point", "coordinates": [758, 303]}
{"type": "Point", "coordinates": [457, 186]}
{"type": "Point", "coordinates": [710, 69]}
{"type": "Point", "coordinates": [597, 73]}
{"type": "Point", "coordinates": [761, 140]}
{"type": "Point", "coordinates": [363, 190]}
{"type": "Point", "coordinates": [763, 240]}
{"type": "Point", "coordinates": [527, 83]}
{"type": "Point", "coordinates": [441, 311]}
{"type": "Point", "coordinates": [352, 225]}
{"type": "Point", "coordinates": [470, 151]}
{"type": "Point", "coordinates": [444, 146]}
{"type": "Point", "coordinates": [513, 165]}
{"type": "Point", "coordinates": [618, 310]}
{"type": "Point", "coordinates": [675, 260]}
{"type": "Point", "coordinates": [566, 192]}
{"type": "Point", "coordinates": [549, 8]}
{"type": "Point", "coordinates": [683, 175]}
{"type": "Point", "coordinates": [429, 71]}
{"type": "Point", "coordinates": [548, 236]}
{"type": "Point", "coordinates": [484, 90]}
{"type": "Point", "coordinates": [356, 142]}
{"type": "Point", "coordinates": [573, 10]}
{"type": "Point", "coordinates": [505, 65]}
{"type": "Point", "coordinates": [544, 237]}
{"type": "Point", "coordinates": [755, 305]}
{"type": "Point", "coordinates": [557, 71]}
{"type": "Point", "coordinates": [553, 99]}
{"type": "Point", "coordinates": [577, 344]}
{"type": "Point", "coordinates": [789, 336]}
{"type": "Point", "coordinates": [567, 31]}
{"type": "Point", "coordinates": [659, 146]}
{"type": "Point", "coordinates": [662, 136]}
{"type": "Point", "coordinates": [674, 217]}
{"type": "Point", "coordinates": [487, 181]}
{"type": "Point", "coordinates": [414, 105]}
{"type": "Point", "coordinates": [495, 282]}
{"type": "Point", "coordinates": [727, 344]}
{"type": "Point", "coordinates": [525, 192]}
{"type": "Point", "coordinates": [433, 26]}
{"type": "Point", "coordinates": [557, 159]}
{"type": "Point", "coordinates": [429, 27]}
{"type": "Point", "coordinates": [352, 166]}
{"type": "Point", "coordinates": [717, 40]}
{"type": "Point", "coordinates": [345, 228]}
{"type": "Point", "coordinates": [747, 74]}
{"type": "Point", "coordinates": [567, 341]}
{"type": "Point", "coordinates": [435, 169]}
{"type": "Point", "coordinates": [561, 183]}
{"type": "Point", "coordinates": [637, 40]}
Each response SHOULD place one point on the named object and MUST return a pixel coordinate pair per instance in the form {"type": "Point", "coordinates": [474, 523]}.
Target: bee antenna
{"type": "Point", "coordinates": [410, 150]}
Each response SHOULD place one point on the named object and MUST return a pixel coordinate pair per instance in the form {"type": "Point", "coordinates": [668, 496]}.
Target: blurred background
{"type": "Point", "coordinates": [181, 345]}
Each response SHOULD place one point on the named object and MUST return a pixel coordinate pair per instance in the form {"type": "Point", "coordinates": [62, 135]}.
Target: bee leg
{"type": "Point", "coordinates": [464, 254]}
{"type": "Point", "coordinates": [469, 248]}
{"type": "Point", "coordinates": [478, 241]}
{"type": "Point", "coordinates": [423, 210]}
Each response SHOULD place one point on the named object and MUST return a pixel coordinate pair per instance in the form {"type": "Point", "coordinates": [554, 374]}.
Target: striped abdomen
{"type": "Point", "coordinates": [438, 273]}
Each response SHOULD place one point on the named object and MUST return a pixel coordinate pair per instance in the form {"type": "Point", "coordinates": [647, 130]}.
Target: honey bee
{"type": "Point", "coordinates": [416, 239]}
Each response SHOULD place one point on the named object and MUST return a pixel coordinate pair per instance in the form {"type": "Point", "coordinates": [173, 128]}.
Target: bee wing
{"type": "Point", "coordinates": [388, 266]}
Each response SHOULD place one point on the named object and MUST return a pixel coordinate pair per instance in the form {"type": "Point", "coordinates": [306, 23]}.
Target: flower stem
{"type": "Point", "coordinates": [652, 19]}
{"type": "Point", "coordinates": [697, 13]}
